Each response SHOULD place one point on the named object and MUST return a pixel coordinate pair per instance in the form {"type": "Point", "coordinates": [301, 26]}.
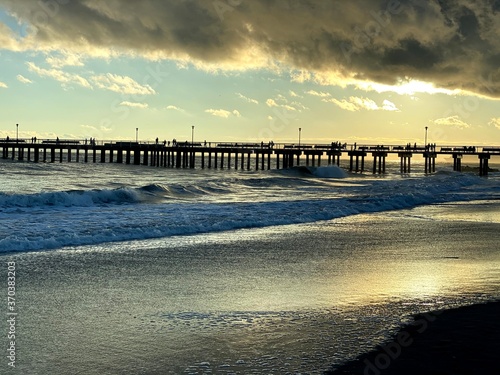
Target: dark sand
{"type": "Point", "coordinates": [459, 341]}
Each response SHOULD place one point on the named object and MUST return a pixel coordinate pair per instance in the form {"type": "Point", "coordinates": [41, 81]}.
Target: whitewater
{"type": "Point", "coordinates": [51, 206]}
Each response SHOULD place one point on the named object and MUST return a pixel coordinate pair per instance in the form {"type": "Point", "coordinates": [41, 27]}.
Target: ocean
{"type": "Point", "coordinates": [124, 269]}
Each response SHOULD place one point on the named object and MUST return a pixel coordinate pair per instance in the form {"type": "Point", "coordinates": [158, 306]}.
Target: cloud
{"type": "Point", "coordinates": [299, 106]}
{"type": "Point", "coordinates": [101, 128]}
{"type": "Point", "coordinates": [495, 122]}
{"type": "Point", "coordinates": [389, 106]}
{"type": "Point", "coordinates": [174, 108]}
{"type": "Point", "coordinates": [121, 84]}
{"type": "Point", "coordinates": [271, 103]}
{"type": "Point", "coordinates": [344, 104]}
{"type": "Point", "coordinates": [320, 94]}
{"type": "Point", "coordinates": [223, 113]}
{"type": "Point", "coordinates": [108, 81]}
{"type": "Point", "coordinates": [22, 79]}
{"type": "Point", "coordinates": [64, 59]}
{"type": "Point", "coordinates": [3, 85]}
{"type": "Point", "coordinates": [134, 105]}
{"type": "Point", "coordinates": [450, 44]}
{"type": "Point", "coordinates": [453, 121]}
{"type": "Point", "coordinates": [355, 103]}
{"type": "Point", "coordinates": [282, 102]}
{"type": "Point", "coordinates": [59, 75]}
{"type": "Point", "coordinates": [249, 100]}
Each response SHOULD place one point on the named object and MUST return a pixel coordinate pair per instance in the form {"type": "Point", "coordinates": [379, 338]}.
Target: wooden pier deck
{"type": "Point", "coordinates": [245, 156]}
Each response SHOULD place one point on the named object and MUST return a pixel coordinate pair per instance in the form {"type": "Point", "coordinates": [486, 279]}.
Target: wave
{"type": "Point", "coordinates": [90, 225]}
{"type": "Point", "coordinates": [71, 198]}
{"type": "Point", "coordinates": [330, 171]}
{"type": "Point", "coordinates": [103, 197]}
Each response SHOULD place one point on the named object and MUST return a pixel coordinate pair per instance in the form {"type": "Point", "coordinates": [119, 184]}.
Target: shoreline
{"type": "Point", "coordinates": [463, 340]}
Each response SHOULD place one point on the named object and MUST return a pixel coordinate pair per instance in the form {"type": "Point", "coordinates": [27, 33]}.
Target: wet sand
{"type": "Point", "coordinates": [458, 341]}
{"type": "Point", "coordinates": [292, 299]}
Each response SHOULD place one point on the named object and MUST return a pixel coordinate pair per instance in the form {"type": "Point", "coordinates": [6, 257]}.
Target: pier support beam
{"type": "Point", "coordinates": [405, 161]}
{"type": "Point", "coordinates": [430, 162]}
{"type": "Point", "coordinates": [457, 162]}
{"type": "Point", "coordinates": [379, 161]}
{"type": "Point", "coordinates": [483, 164]}
{"type": "Point", "coordinates": [355, 154]}
{"type": "Point", "coordinates": [119, 156]}
{"type": "Point", "coordinates": [248, 161]}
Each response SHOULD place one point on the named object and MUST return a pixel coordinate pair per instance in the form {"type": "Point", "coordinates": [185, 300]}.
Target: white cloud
{"type": "Point", "coordinates": [59, 75]}
{"type": "Point", "coordinates": [66, 59]}
{"type": "Point", "coordinates": [3, 85]}
{"type": "Point", "coordinates": [271, 103]}
{"type": "Point", "coordinates": [344, 104]}
{"type": "Point", "coordinates": [134, 104]}
{"type": "Point", "coordinates": [88, 127]}
{"type": "Point", "coordinates": [299, 106]}
{"type": "Point", "coordinates": [281, 98]}
{"type": "Point", "coordinates": [321, 94]}
{"type": "Point", "coordinates": [364, 103]}
{"type": "Point", "coordinates": [102, 128]}
{"type": "Point", "coordinates": [174, 108]}
{"type": "Point", "coordinates": [121, 84]}
{"type": "Point", "coordinates": [22, 79]}
{"type": "Point", "coordinates": [355, 103]}
{"type": "Point", "coordinates": [250, 100]}
{"type": "Point", "coordinates": [288, 107]}
{"type": "Point", "coordinates": [389, 106]}
{"type": "Point", "coordinates": [223, 113]}
{"type": "Point", "coordinates": [295, 106]}
{"type": "Point", "coordinates": [453, 121]}
{"type": "Point", "coordinates": [293, 94]}
{"type": "Point", "coordinates": [495, 122]}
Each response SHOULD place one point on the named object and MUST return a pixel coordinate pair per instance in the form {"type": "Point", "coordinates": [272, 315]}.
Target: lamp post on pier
{"type": "Point", "coordinates": [17, 132]}
{"type": "Point", "coordinates": [425, 143]}
{"type": "Point", "coordinates": [192, 135]}
{"type": "Point", "coordinates": [136, 135]}
{"type": "Point", "coordinates": [300, 130]}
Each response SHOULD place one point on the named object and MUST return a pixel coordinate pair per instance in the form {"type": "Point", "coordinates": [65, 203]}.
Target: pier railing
{"type": "Point", "coordinates": [257, 145]}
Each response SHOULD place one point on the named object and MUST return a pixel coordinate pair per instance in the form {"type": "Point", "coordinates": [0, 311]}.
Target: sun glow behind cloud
{"type": "Point", "coordinates": [407, 87]}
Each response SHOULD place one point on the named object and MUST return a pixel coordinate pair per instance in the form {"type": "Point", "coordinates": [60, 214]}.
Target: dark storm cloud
{"type": "Point", "coordinates": [453, 43]}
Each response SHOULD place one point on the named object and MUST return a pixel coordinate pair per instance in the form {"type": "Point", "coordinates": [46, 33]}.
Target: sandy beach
{"type": "Point", "coordinates": [458, 341]}
{"type": "Point", "coordinates": [297, 298]}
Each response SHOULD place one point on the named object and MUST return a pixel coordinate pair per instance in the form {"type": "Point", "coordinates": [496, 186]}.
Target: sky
{"type": "Point", "coordinates": [365, 71]}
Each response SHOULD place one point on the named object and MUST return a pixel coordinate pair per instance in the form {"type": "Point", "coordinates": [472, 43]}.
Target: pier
{"type": "Point", "coordinates": [241, 155]}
